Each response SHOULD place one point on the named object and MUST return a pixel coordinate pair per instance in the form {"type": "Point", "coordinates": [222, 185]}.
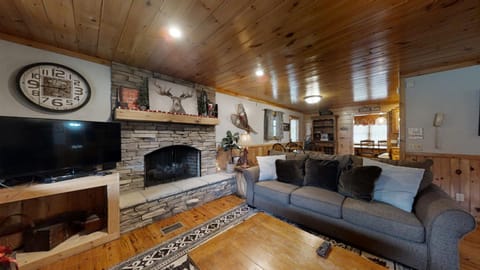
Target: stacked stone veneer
{"type": "Point", "coordinates": [140, 138]}
{"type": "Point", "coordinates": [140, 208]}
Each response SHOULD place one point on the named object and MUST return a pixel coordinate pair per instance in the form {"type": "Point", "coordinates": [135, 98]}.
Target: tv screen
{"type": "Point", "coordinates": [31, 146]}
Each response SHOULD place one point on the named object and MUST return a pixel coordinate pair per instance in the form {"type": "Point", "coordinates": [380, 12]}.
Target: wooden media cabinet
{"type": "Point", "coordinates": [45, 200]}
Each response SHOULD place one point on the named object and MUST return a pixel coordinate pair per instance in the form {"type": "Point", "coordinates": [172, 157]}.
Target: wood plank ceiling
{"type": "Point", "coordinates": [350, 52]}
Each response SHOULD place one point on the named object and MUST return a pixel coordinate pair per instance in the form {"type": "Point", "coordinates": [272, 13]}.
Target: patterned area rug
{"type": "Point", "coordinates": [172, 255]}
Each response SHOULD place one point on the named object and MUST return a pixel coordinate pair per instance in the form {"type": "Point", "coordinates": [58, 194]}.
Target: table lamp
{"type": "Point", "coordinates": [244, 142]}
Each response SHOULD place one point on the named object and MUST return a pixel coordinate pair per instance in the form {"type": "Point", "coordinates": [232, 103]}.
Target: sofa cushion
{"type": "Point", "coordinates": [396, 185]}
{"type": "Point", "coordinates": [275, 190]}
{"type": "Point", "coordinates": [345, 162]}
{"type": "Point", "coordinates": [267, 167]}
{"type": "Point", "coordinates": [290, 171]}
{"type": "Point", "coordinates": [289, 155]}
{"type": "Point", "coordinates": [383, 218]}
{"type": "Point", "coordinates": [318, 200]}
{"type": "Point", "coordinates": [359, 182]}
{"type": "Point", "coordinates": [321, 173]}
{"type": "Point", "coordinates": [426, 164]}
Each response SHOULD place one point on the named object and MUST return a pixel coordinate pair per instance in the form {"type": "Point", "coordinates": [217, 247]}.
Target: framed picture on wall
{"type": "Point", "coordinates": [286, 126]}
{"type": "Point", "coordinates": [171, 97]}
{"type": "Point", "coordinates": [324, 137]}
{"type": "Point", "coordinates": [128, 98]}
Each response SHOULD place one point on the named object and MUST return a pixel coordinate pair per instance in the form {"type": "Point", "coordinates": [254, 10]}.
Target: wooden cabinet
{"type": "Point", "coordinates": [324, 134]}
{"type": "Point", "coordinates": [42, 200]}
{"type": "Point", "coordinates": [395, 153]}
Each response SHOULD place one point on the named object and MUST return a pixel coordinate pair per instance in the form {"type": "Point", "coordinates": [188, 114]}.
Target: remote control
{"type": "Point", "coordinates": [324, 249]}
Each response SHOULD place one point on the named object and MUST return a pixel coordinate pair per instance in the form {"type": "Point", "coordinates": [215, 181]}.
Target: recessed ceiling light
{"type": "Point", "coordinates": [312, 99]}
{"type": "Point", "coordinates": [259, 72]}
{"type": "Point", "coordinates": [175, 32]}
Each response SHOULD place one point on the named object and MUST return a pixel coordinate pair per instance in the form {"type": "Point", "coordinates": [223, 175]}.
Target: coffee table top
{"type": "Point", "coordinates": [264, 242]}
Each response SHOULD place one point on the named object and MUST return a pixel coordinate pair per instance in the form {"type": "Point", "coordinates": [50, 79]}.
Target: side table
{"type": "Point", "coordinates": [241, 182]}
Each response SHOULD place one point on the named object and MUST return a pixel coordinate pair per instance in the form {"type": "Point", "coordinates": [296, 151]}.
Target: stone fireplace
{"type": "Point", "coordinates": [190, 144]}
{"type": "Point", "coordinates": [171, 163]}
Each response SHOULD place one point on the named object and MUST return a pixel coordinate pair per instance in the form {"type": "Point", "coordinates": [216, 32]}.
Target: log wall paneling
{"type": "Point", "coordinates": [456, 174]}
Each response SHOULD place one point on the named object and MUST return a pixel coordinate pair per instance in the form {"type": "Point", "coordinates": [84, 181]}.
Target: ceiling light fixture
{"type": "Point", "coordinates": [312, 99]}
{"type": "Point", "coordinates": [259, 72]}
{"type": "Point", "coordinates": [175, 32]}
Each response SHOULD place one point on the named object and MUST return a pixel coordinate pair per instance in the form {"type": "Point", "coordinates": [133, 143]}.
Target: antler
{"type": "Point", "coordinates": [184, 95]}
{"type": "Point", "coordinates": [161, 90]}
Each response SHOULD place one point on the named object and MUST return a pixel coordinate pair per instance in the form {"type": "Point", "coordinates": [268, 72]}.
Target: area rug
{"type": "Point", "coordinates": [172, 255]}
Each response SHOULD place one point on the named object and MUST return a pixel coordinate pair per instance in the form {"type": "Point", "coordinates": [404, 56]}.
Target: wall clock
{"type": "Point", "coordinates": [53, 87]}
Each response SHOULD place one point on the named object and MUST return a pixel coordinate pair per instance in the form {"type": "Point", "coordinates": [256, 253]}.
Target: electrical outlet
{"type": "Point", "coordinates": [460, 197]}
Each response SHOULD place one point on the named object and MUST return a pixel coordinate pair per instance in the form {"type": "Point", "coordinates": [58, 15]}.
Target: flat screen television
{"type": "Point", "coordinates": [47, 147]}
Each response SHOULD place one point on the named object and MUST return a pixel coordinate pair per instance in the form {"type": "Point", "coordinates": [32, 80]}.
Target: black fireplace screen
{"type": "Point", "coordinates": [171, 163]}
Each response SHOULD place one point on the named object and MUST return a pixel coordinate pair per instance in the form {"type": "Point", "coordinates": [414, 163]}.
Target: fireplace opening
{"type": "Point", "coordinates": [171, 163]}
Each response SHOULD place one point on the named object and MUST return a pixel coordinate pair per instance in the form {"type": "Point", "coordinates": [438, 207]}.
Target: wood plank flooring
{"type": "Point", "coordinates": [134, 242]}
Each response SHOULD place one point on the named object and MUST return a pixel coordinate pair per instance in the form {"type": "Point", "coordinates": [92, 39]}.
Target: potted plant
{"type": "Point", "coordinates": [229, 143]}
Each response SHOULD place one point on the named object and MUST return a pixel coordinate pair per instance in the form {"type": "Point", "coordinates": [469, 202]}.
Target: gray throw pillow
{"type": "Point", "coordinates": [321, 173]}
{"type": "Point", "coordinates": [290, 171]}
{"type": "Point", "coordinates": [359, 182]}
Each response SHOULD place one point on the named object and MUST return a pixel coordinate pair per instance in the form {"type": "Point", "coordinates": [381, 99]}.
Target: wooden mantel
{"type": "Point", "coordinates": [147, 116]}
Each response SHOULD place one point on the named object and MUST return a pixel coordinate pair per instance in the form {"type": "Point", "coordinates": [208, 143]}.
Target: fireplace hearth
{"type": "Point", "coordinates": [172, 163]}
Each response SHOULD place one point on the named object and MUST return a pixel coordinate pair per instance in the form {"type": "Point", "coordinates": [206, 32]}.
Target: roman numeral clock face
{"type": "Point", "coordinates": [53, 87]}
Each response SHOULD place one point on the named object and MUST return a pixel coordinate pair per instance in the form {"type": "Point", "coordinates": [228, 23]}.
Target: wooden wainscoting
{"type": "Point", "coordinates": [456, 174]}
{"type": "Point", "coordinates": [253, 152]}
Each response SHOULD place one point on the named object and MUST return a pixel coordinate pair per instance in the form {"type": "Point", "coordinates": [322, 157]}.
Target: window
{"type": "Point", "coordinates": [273, 125]}
{"type": "Point", "coordinates": [294, 129]}
{"type": "Point", "coordinates": [375, 130]}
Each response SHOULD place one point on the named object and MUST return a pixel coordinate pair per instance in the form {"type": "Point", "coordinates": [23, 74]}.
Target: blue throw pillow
{"type": "Point", "coordinates": [396, 185]}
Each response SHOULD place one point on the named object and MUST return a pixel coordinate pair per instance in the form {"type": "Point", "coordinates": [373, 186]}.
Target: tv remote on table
{"type": "Point", "coordinates": [324, 249]}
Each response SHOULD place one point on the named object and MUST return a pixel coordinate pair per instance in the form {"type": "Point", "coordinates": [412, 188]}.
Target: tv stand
{"type": "Point", "coordinates": [72, 175]}
{"type": "Point", "coordinates": [9, 197]}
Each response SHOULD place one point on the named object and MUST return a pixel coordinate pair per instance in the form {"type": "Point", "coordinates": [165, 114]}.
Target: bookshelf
{"type": "Point", "coordinates": [324, 134]}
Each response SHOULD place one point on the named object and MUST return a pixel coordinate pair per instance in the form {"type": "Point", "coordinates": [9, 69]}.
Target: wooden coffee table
{"type": "Point", "coordinates": [264, 242]}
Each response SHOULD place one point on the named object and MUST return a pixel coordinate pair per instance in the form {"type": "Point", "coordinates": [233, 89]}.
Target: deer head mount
{"type": "Point", "coordinates": [176, 101]}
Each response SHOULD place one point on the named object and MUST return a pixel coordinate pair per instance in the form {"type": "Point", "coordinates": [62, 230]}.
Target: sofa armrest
{"type": "Point", "coordinates": [445, 224]}
{"type": "Point", "coordinates": [251, 176]}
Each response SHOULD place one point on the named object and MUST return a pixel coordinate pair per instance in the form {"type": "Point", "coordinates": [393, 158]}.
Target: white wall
{"type": "Point", "coordinates": [227, 105]}
{"type": "Point", "coordinates": [14, 56]}
{"type": "Point", "coordinates": [456, 93]}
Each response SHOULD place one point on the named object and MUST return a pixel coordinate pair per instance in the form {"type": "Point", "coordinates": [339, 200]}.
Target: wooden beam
{"type": "Point", "coordinates": [146, 116]}
{"type": "Point", "coordinates": [440, 68]}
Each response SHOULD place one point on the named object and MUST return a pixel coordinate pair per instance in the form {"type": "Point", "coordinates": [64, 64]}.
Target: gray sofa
{"type": "Point", "coordinates": [426, 238]}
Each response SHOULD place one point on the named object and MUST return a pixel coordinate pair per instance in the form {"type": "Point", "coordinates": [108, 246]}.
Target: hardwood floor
{"type": "Point", "coordinates": [134, 242]}
{"type": "Point", "coordinates": [469, 250]}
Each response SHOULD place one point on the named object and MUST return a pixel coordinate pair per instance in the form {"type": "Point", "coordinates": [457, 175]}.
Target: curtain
{"type": "Point", "coordinates": [273, 125]}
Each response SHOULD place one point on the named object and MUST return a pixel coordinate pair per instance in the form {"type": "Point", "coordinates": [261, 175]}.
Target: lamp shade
{"type": "Point", "coordinates": [245, 139]}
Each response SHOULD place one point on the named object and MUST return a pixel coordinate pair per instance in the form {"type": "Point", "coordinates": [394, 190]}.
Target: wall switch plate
{"type": "Point", "coordinates": [460, 197]}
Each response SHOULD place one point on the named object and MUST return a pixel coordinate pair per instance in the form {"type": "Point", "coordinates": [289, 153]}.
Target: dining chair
{"type": "Point", "coordinates": [367, 148]}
